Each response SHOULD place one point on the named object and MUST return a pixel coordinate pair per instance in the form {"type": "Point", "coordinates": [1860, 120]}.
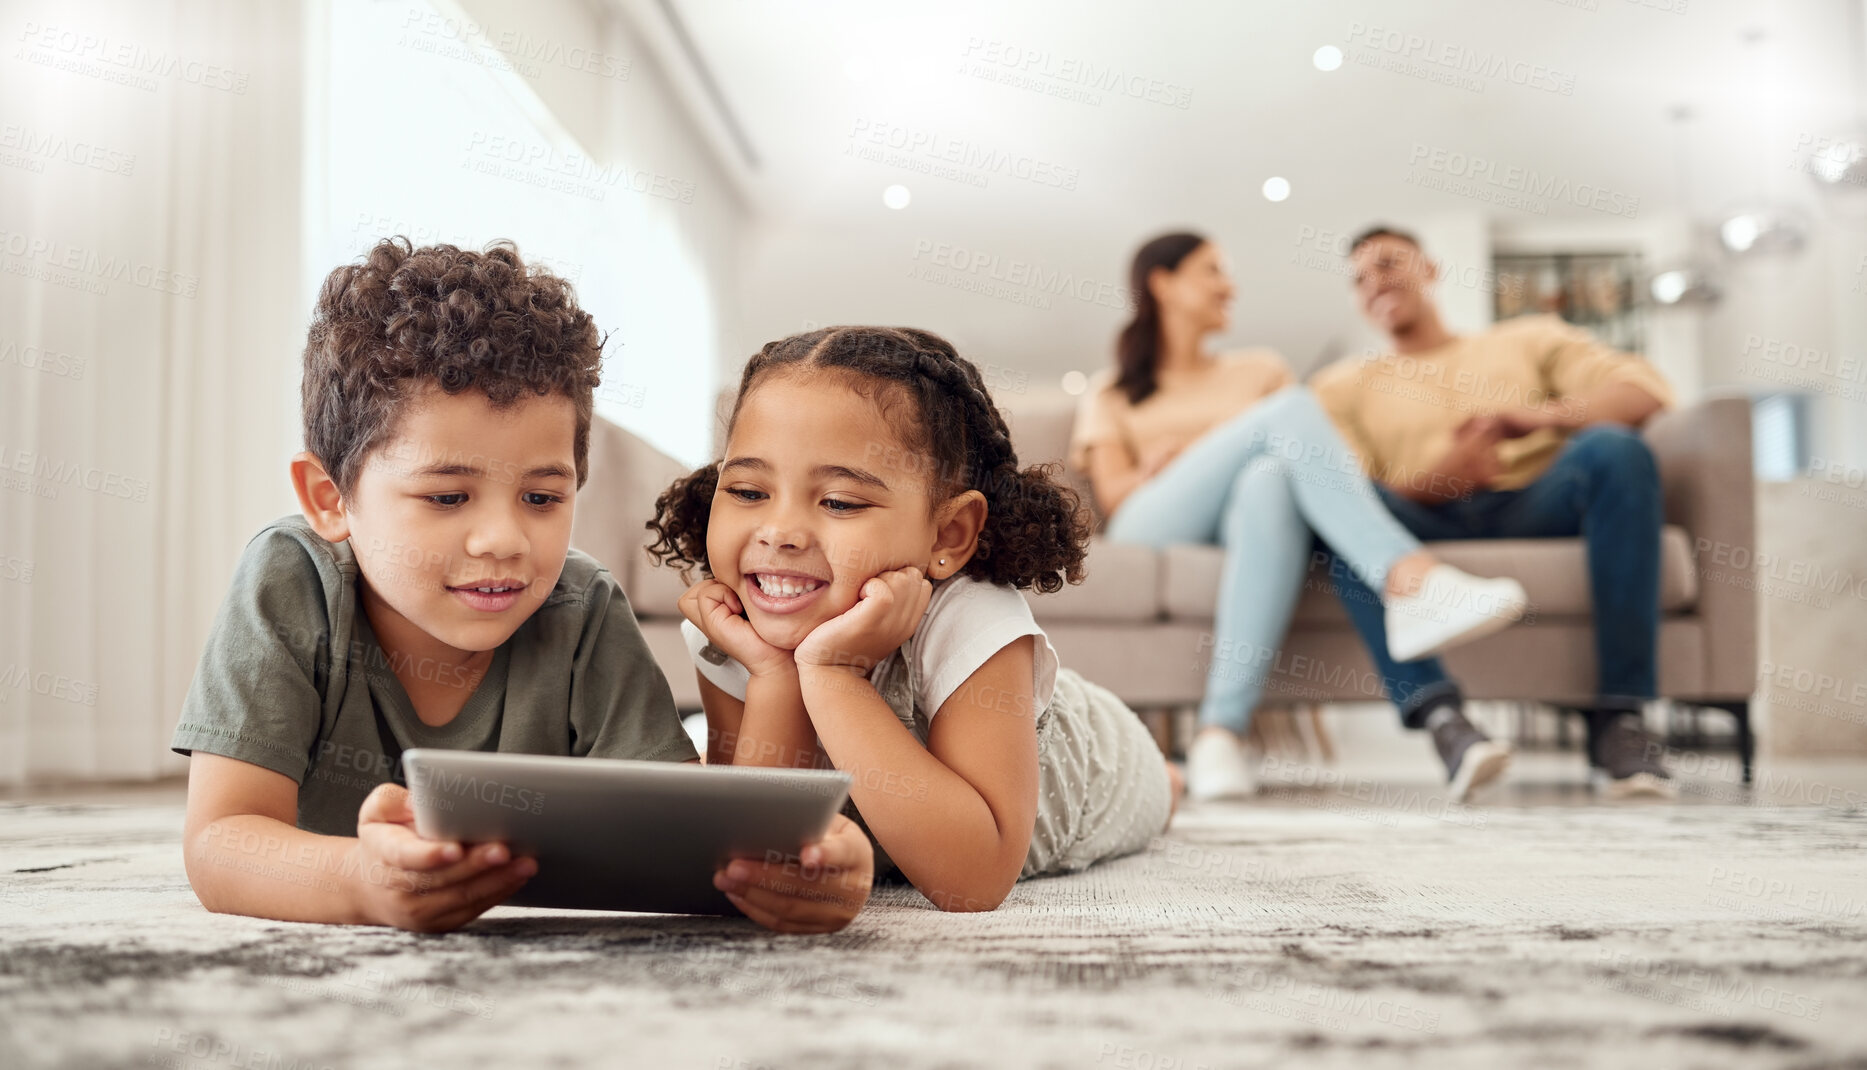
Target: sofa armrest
{"type": "Point", "coordinates": [617, 501]}
{"type": "Point", "coordinates": [1709, 486]}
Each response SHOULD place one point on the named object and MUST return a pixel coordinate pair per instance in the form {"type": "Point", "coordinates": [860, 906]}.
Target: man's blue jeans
{"type": "Point", "coordinates": [1605, 487]}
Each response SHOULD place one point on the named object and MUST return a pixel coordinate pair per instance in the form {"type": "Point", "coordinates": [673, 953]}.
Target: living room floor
{"type": "Point", "coordinates": [1361, 920]}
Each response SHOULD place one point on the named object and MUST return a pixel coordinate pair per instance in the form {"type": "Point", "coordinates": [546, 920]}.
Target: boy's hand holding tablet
{"type": "Point", "coordinates": [427, 885]}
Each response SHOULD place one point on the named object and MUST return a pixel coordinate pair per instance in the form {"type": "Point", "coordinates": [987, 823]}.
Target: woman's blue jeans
{"type": "Point", "coordinates": [1263, 485]}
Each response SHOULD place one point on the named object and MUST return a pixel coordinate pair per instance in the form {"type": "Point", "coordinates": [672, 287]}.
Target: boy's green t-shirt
{"type": "Point", "coordinates": [294, 680]}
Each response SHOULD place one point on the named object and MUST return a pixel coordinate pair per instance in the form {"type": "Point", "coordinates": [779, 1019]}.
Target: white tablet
{"type": "Point", "coordinates": [620, 835]}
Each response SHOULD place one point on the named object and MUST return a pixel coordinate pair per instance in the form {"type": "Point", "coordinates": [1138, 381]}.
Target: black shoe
{"type": "Point", "coordinates": [1625, 761]}
{"type": "Point", "coordinates": [1472, 758]}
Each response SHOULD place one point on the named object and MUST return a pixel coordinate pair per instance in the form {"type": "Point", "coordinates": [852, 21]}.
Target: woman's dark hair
{"type": "Point", "coordinates": [1137, 348]}
{"type": "Point", "coordinates": [1036, 531]}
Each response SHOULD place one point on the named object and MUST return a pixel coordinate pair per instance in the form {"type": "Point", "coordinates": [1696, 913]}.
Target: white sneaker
{"type": "Point", "coordinates": [1216, 767]}
{"type": "Point", "coordinates": [1452, 607]}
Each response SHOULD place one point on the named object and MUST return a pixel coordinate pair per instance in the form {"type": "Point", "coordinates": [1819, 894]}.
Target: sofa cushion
{"type": "Point", "coordinates": [1123, 584]}
{"type": "Point", "coordinates": [657, 589]}
{"type": "Point", "coordinates": [626, 475]}
{"type": "Point", "coordinates": [1554, 573]}
{"type": "Point", "coordinates": [1040, 432]}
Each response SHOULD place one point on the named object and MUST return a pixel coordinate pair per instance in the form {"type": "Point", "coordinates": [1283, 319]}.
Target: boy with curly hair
{"type": "Point", "coordinates": [428, 597]}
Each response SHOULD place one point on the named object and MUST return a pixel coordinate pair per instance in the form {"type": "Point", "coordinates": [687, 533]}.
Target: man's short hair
{"type": "Point", "coordinates": [1382, 230]}
{"type": "Point", "coordinates": [463, 320]}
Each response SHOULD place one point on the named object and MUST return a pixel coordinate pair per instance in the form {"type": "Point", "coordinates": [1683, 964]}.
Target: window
{"type": "Point", "coordinates": [1779, 435]}
{"type": "Point", "coordinates": [426, 132]}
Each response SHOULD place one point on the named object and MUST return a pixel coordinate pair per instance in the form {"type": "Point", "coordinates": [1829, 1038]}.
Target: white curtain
{"type": "Point", "coordinates": [151, 316]}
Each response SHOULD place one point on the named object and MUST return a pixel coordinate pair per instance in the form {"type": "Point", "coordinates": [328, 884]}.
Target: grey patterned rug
{"type": "Point", "coordinates": [1345, 934]}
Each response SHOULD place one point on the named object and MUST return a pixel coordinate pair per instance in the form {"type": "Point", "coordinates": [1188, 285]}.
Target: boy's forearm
{"type": "Point", "coordinates": [933, 823]}
{"type": "Point", "coordinates": [265, 868]}
{"type": "Point", "coordinates": [774, 731]}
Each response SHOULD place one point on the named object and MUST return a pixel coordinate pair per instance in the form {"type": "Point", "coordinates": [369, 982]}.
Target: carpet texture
{"type": "Point", "coordinates": [1344, 935]}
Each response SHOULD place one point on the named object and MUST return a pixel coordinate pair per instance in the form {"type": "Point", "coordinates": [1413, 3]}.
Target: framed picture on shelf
{"type": "Point", "coordinates": [1598, 291]}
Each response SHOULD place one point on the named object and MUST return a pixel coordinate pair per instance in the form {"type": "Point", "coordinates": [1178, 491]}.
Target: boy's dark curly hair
{"type": "Point", "coordinates": [404, 317]}
{"type": "Point", "coordinates": [1036, 531]}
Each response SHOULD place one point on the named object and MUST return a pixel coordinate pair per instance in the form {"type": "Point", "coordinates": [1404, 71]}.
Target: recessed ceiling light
{"type": "Point", "coordinates": [896, 197]}
{"type": "Point", "coordinates": [1276, 189]}
{"type": "Point", "coordinates": [1327, 58]}
{"type": "Point", "coordinates": [1075, 382]}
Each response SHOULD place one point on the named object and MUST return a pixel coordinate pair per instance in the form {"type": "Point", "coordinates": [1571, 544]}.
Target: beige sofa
{"type": "Point", "coordinates": [1142, 622]}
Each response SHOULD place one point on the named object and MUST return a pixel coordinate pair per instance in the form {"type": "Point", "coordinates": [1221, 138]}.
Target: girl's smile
{"type": "Point", "coordinates": [783, 592]}
{"type": "Point", "coordinates": [800, 521]}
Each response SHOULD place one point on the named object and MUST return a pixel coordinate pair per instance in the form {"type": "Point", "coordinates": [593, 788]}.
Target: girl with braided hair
{"type": "Point", "coordinates": [865, 540]}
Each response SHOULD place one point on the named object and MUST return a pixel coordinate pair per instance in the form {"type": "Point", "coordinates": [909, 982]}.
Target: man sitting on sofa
{"type": "Point", "coordinates": [1523, 430]}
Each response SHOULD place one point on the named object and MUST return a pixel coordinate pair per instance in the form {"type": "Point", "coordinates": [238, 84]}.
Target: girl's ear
{"type": "Point", "coordinates": [957, 524]}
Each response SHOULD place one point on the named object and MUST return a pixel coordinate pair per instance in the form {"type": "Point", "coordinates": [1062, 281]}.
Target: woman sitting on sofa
{"type": "Point", "coordinates": [1182, 445]}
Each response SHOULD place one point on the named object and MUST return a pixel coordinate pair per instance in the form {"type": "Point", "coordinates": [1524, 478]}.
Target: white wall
{"type": "Point", "coordinates": [1032, 303]}
{"type": "Point", "coordinates": [1843, 428]}
{"type": "Point", "coordinates": [1663, 237]}
{"type": "Point", "coordinates": [975, 283]}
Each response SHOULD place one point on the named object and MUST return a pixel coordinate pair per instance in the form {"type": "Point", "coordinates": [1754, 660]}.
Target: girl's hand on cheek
{"type": "Point", "coordinates": [887, 610]}
{"type": "Point", "coordinates": [715, 609]}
